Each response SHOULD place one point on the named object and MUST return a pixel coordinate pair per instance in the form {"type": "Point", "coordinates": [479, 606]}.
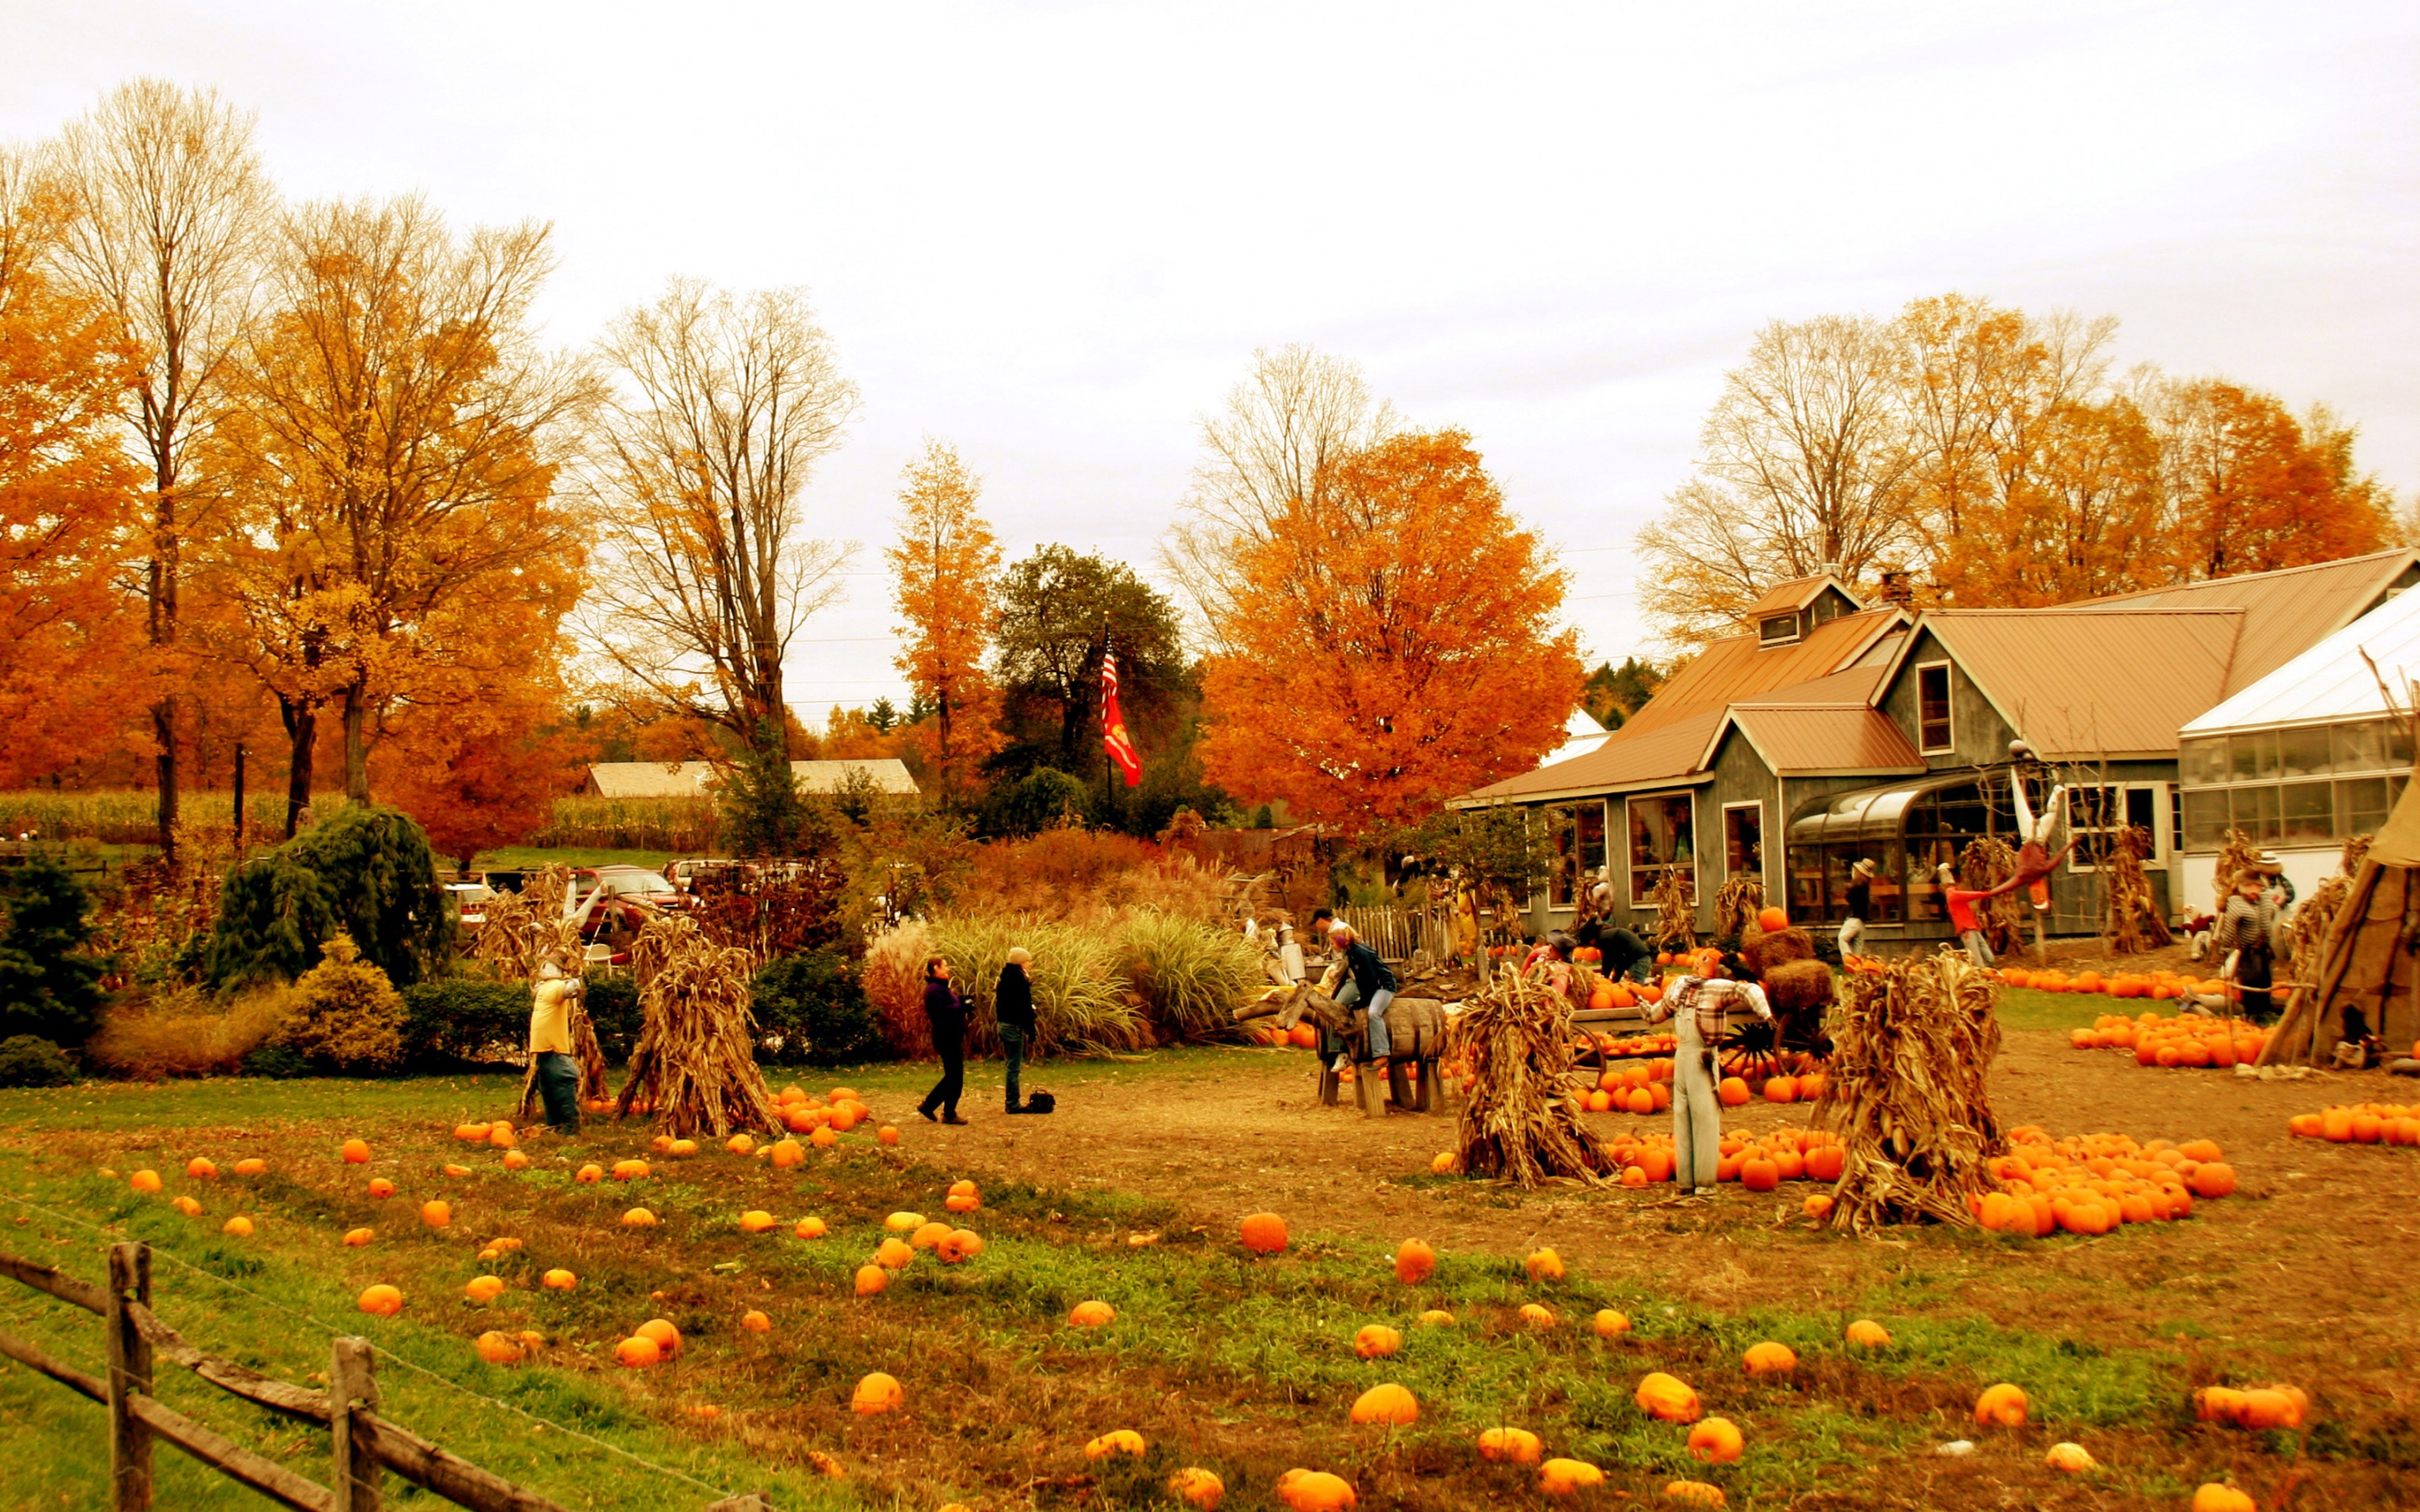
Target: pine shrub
{"type": "Point", "coordinates": [28, 1060]}
{"type": "Point", "coordinates": [347, 1015]}
{"type": "Point", "coordinates": [50, 985]}
{"type": "Point", "coordinates": [366, 873]}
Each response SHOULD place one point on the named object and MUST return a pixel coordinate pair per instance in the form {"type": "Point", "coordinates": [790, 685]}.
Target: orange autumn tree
{"type": "Point", "coordinates": [944, 565]}
{"type": "Point", "coordinates": [1395, 643]}
{"type": "Point", "coordinates": [2251, 489]}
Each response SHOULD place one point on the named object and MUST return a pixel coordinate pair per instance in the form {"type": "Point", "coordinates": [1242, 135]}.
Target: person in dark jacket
{"type": "Point", "coordinates": [1012, 1006]}
{"type": "Point", "coordinates": [946, 1011]}
{"type": "Point", "coordinates": [1372, 986]}
{"type": "Point", "coordinates": [1861, 905]}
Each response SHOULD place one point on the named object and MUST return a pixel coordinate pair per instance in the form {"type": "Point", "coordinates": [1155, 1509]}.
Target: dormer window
{"type": "Point", "coordinates": [1779, 629]}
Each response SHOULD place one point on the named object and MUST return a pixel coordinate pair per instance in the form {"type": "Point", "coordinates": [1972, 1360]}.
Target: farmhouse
{"type": "Point", "coordinates": [1834, 730]}
{"type": "Point", "coordinates": [696, 780]}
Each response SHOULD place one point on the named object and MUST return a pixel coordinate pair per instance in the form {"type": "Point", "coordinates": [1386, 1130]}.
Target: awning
{"type": "Point", "coordinates": [1865, 816]}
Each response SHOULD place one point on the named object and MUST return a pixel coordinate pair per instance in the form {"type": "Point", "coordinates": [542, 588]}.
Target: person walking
{"type": "Point", "coordinates": [1861, 905]}
{"type": "Point", "coordinates": [945, 1009]}
{"type": "Point", "coordinates": [1012, 1007]}
{"type": "Point", "coordinates": [2248, 930]}
{"type": "Point", "coordinates": [1372, 986]}
{"type": "Point", "coordinates": [1700, 1008]}
{"type": "Point", "coordinates": [549, 1046]}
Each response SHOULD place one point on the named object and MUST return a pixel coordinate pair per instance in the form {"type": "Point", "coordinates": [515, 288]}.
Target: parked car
{"type": "Point", "coordinates": [624, 896]}
{"type": "Point", "coordinates": [687, 872]}
{"type": "Point", "coordinates": [470, 901]}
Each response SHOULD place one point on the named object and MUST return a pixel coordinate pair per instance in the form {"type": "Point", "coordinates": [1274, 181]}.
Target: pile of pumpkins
{"type": "Point", "coordinates": [2092, 1184]}
{"type": "Point", "coordinates": [2361, 1123]}
{"type": "Point", "coordinates": [2164, 986]}
{"type": "Point", "coordinates": [1645, 1087]}
{"type": "Point", "coordinates": [1758, 1162]}
{"type": "Point", "coordinates": [2189, 1040]}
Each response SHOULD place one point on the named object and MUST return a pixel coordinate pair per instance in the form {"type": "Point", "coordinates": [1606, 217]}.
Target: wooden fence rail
{"type": "Point", "coordinates": [366, 1445]}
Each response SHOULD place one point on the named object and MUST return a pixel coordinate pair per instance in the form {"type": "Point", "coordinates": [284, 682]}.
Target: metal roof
{"type": "Point", "coordinates": [1795, 594]}
{"type": "Point", "coordinates": [1813, 740]}
{"type": "Point", "coordinates": [696, 780]}
{"type": "Point", "coordinates": [2330, 683]}
{"type": "Point", "coordinates": [1626, 759]}
{"type": "Point", "coordinates": [2086, 682]}
{"type": "Point", "coordinates": [1738, 667]}
{"type": "Point", "coordinates": [2286, 611]}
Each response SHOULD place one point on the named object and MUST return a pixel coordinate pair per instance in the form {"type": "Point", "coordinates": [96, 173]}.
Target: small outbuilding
{"type": "Point", "coordinates": [697, 779]}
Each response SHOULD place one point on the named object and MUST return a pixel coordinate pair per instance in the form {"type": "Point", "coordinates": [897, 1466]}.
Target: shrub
{"type": "Point", "coordinates": [50, 987]}
{"type": "Point", "coordinates": [1082, 1002]}
{"type": "Point", "coordinates": [187, 1034]}
{"type": "Point", "coordinates": [1191, 976]}
{"type": "Point", "coordinates": [763, 812]}
{"type": "Point", "coordinates": [276, 1062]}
{"type": "Point", "coordinates": [366, 871]}
{"type": "Point", "coordinates": [347, 1015]}
{"type": "Point", "coordinates": [28, 1061]}
{"type": "Point", "coordinates": [1044, 801]}
{"type": "Point", "coordinates": [464, 1018]}
{"type": "Point", "coordinates": [809, 1009]}
{"type": "Point", "coordinates": [612, 1003]}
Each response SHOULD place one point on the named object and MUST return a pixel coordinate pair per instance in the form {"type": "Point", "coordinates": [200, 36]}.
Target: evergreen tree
{"type": "Point", "coordinates": [49, 985]}
{"type": "Point", "coordinates": [366, 871]}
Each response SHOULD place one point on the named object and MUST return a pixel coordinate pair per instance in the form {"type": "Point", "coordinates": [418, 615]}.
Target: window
{"type": "Point", "coordinates": [2096, 815]}
{"type": "Point", "coordinates": [2307, 813]}
{"type": "Point", "coordinates": [2362, 806]}
{"type": "Point", "coordinates": [2256, 814]}
{"type": "Point", "coordinates": [2303, 753]}
{"type": "Point", "coordinates": [2252, 757]}
{"type": "Point", "coordinates": [2306, 786]}
{"type": "Point", "coordinates": [1743, 840]}
{"type": "Point", "coordinates": [1661, 836]}
{"type": "Point", "coordinates": [1578, 831]}
{"type": "Point", "coordinates": [1776, 629]}
{"type": "Point", "coordinates": [2202, 763]}
{"type": "Point", "coordinates": [1932, 731]}
{"type": "Point", "coordinates": [2206, 819]}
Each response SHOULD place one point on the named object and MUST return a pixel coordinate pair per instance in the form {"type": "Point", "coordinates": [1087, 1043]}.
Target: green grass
{"type": "Point", "coordinates": [2023, 1008]}
{"type": "Point", "coordinates": [530, 857]}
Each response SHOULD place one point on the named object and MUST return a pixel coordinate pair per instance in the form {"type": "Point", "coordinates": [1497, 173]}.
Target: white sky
{"type": "Point", "coordinates": [1053, 233]}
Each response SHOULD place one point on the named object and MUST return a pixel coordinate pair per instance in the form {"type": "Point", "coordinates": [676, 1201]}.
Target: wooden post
{"type": "Point", "coordinates": [353, 1389]}
{"type": "Point", "coordinates": [130, 1373]}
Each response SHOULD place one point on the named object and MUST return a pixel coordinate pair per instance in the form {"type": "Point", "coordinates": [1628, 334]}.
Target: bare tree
{"type": "Point", "coordinates": [725, 405]}
{"type": "Point", "coordinates": [171, 206]}
{"type": "Point", "coordinates": [1802, 463]}
{"type": "Point", "coordinates": [1275, 444]}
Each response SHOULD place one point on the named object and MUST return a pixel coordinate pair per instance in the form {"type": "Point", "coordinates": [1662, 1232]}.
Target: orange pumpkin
{"type": "Point", "coordinates": [811, 1228]}
{"type": "Point", "coordinates": [755, 1221]}
{"type": "Point", "coordinates": [2213, 1497]}
{"type": "Point", "coordinates": [559, 1280]}
{"type": "Point", "coordinates": [380, 1300]}
{"type": "Point", "coordinates": [959, 1245]}
{"type": "Point", "coordinates": [871, 1279]}
{"type": "Point", "coordinates": [1116, 1441]}
{"type": "Point", "coordinates": [1386, 1403]}
{"type": "Point", "coordinates": [877, 1394]}
{"type": "Point", "coordinates": [1264, 1233]}
{"type": "Point", "coordinates": [1667, 1398]}
{"type": "Point", "coordinates": [145, 1181]}
{"type": "Point", "coordinates": [201, 1169]}
{"type": "Point", "coordinates": [1568, 1477]}
{"type": "Point", "coordinates": [1543, 1265]}
{"type": "Point", "coordinates": [498, 1349]}
{"type": "Point", "coordinates": [2001, 1406]}
{"type": "Point", "coordinates": [381, 1187]}
{"type": "Point", "coordinates": [2070, 1459]}
{"type": "Point", "coordinates": [788, 1152]}
{"type": "Point", "coordinates": [667, 1337]}
{"type": "Point", "coordinates": [895, 1254]}
{"type": "Point", "coordinates": [638, 1218]}
{"type": "Point", "coordinates": [237, 1226]}
{"type": "Point", "coordinates": [1693, 1494]}
{"type": "Point", "coordinates": [755, 1322]}
{"type": "Point", "coordinates": [1732, 1092]}
{"type": "Point", "coordinates": [356, 1237]}
{"type": "Point", "coordinates": [1717, 1441]}
{"type": "Point", "coordinates": [484, 1288]}
{"type": "Point", "coordinates": [1415, 1262]}
{"type": "Point", "coordinates": [1197, 1488]}
{"type": "Point", "coordinates": [1867, 1335]}
{"type": "Point", "coordinates": [1315, 1491]}
{"type": "Point", "coordinates": [1611, 1324]}
{"type": "Point", "coordinates": [1536, 1315]}
{"type": "Point", "coordinates": [355, 1152]}
{"type": "Point", "coordinates": [589, 1175]}
{"type": "Point", "coordinates": [639, 1352]}
{"type": "Point", "coordinates": [1092, 1314]}
{"type": "Point", "coordinates": [1770, 1359]}
{"type": "Point", "coordinates": [1513, 1446]}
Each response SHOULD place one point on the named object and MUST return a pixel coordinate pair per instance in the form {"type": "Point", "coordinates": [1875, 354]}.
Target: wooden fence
{"type": "Point", "coordinates": [366, 1445]}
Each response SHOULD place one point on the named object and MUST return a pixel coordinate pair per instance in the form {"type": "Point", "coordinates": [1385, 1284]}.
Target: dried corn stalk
{"type": "Point", "coordinates": [1985, 863]}
{"type": "Point", "coordinates": [1676, 911]}
{"type": "Point", "coordinates": [1737, 901]}
{"type": "Point", "coordinates": [2133, 923]}
{"type": "Point", "coordinates": [1520, 1123]}
{"type": "Point", "coordinates": [520, 929]}
{"type": "Point", "coordinates": [2233, 857]}
{"type": "Point", "coordinates": [1906, 1093]}
{"type": "Point", "coordinates": [696, 1058]}
{"type": "Point", "coordinates": [2308, 935]}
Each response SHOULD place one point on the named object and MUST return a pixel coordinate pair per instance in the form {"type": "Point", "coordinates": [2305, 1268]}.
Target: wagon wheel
{"type": "Point", "coordinates": [1752, 1052]}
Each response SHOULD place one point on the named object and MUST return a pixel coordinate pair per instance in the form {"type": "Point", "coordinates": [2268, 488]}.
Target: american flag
{"type": "Point", "coordinates": [1113, 725]}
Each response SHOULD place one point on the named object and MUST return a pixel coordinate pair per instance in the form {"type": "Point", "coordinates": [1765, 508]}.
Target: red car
{"type": "Point", "coordinates": [624, 896]}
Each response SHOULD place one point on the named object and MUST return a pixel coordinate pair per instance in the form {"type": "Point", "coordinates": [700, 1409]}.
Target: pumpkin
{"type": "Point", "coordinates": [186, 1205]}
{"type": "Point", "coordinates": [639, 1352]}
{"type": "Point", "coordinates": [1315, 1491]}
{"type": "Point", "coordinates": [788, 1152]}
{"type": "Point", "coordinates": [437, 1213]}
{"type": "Point", "coordinates": [1092, 1314]}
{"type": "Point", "coordinates": [967, 1191]}
{"type": "Point", "coordinates": [1115, 1441]}
{"type": "Point", "coordinates": [877, 1394]}
{"type": "Point", "coordinates": [811, 1228]}
{"type": "Point", "coordinates": [484, 1288]}
{"type": "Point", "coordinates": [1824, 1162]}
{"type": "Point", "coordinates": [683, 1147]}
{"type": "Point", "coordinates": [630, 1170]}
{"type": "Point", "coordinates": [1609, 1323]}
{"type": "Point", "coordinates": [2266, 1407]}
{"type": "Point", "coordinates": [1375, 1341]}
{"type": "Point", "coordinates": [755, 1322]}
{"type": "Point", "coordinates": [380, 1300]}
{"type": "Point", "coordinates": [667, 1337]}
{"type": "Point", "coordinates": [1716, 1442]}
{"type": "Point", "coordinates": [1782, 1088]}
{"type": "Point", "coordinates": [889, 1134]}
{"type": "Point", "coordinates": [1442, 1163]}
{"type": "Point", "coordinates": [145, 1181]}
{"type": "Point", "coordinates": [1694, 1493]}
{"type": "Point", "coordinates": [1568, 1477]}
{"type": "Point", "coordinates": [457, 1170]}
{"type": "Point", "coordinates": [903, 1223]}
{"type": "Point", "coordinates": [1772, 921]}
{"type": "Point", "coordinates": [638, 1218]}
{"type": "Point", "coordinates": [959, 1245]}
{"type": "Point", "coordinates": [515, 1161]}
{"type": "Point", "coordinates": [755, 1221]}
{"type": "Point", "coordinates": [355, 1153]}
{"type": "Point", "coordinates": [928, 1235]}
{"type": "Point", "coordinates": [498, 1349]}
{"type": "Point", "coordinates": [1415, 1262]}
{"type": "Point", "coordinates": [1770, 1359]}
{"type": "Point", "coordinates": [1386, 1403]}
{"type": "Point", "coordinates": [2213, 1497]}
{"type": "Point", "coordinates": [2000, 1406]}
{"type": "Point", "coordinates": [895, 1254]}
{"type": "Point", "coordinates": [1867, 1335]}
{"type": "Point", "coordinates": [1543, 1265]}
{"type": "Point", "coordinates": [740, 1143]}
{"type": "Point", "coordinates": [502, 1137]}
{"type": "Point", "coordinates": [589, 1174]}
{"type": "Point", "coordinates": [1732, 1092]}
{"type": "Point", "coordinates": [1436, 1318]}
{"type": "Point", "coordinates": [2213, 1179]}
{"type": "Point", "coordinates": [1667, 1398]}
{"type": "Point", "coordinates": [201, 1169]}
{"type": "Point", "coordinates": [475, 1133]}
{"type": "Point", "coordinates": [1513, 1446]}
{"type": "Point", "coordinates": [1263, 1233]}
{"type": "Point", "coordinates": [2070, 1459]}
{"type": "Point", "coordinates": [239, 1227]}
{"type": "Point", "coordinates": [1198, 1488]}
{"type": "Point", "coordinates": [558, 1280]}
{"type": "Point", "coordinates": [823, 1138]}
{"type": "Point", "coordinates": [356, 1237]}
{"type": "Point", "coordinates": [871, 1279]}
{"type": "Point", "coordinates": [1817, 1207]}
{"type": "Point", "coordinates": [1536, 1315]}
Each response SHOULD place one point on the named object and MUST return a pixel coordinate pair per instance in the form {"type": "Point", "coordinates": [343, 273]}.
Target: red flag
{"type": "Point", "coordinates": [1113, 725]}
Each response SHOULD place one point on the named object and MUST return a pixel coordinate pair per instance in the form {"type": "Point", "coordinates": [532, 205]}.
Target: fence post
{"type": "Point", "coordinates": [351, 1388]}
{"type": "Point", "coordinates": [130, 1372]}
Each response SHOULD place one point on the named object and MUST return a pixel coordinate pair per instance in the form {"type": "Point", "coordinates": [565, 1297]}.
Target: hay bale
{"type": "Point", "coordinates": [1907, 1095]}
{"type": "Point", "coordinates": [1764, 951]}
{"type": "Point", "coordinates": [1521, 1122]}
{"type": "Point", "coordinates": [1795, 987]}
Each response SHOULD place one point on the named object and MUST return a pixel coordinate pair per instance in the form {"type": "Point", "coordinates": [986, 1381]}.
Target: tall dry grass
{"type": "Point", "coordinates": [189, 1034]}
{"type": "Point", "coordinates": [1082, 1002]}
{"type": "Point", "coordinates": [894, 979]}
{"type": "Point", "coordinates": [1189, 974]}
{"type": "Point", "coordinates": [582, 822]}
{"type": "Point", "coordinates": [1075, 873]}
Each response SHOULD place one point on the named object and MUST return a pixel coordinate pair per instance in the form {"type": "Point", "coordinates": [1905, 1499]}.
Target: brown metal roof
{"type": "Point", "coordinates": [1802, 740]}
{"type": "Point", "coordinates": [1629, 757]}
{"type": "Point", "coordinates": [1855, 686]}
{"type": "Point", "coordinates": [1795, 594]}
{"type": "Point", "coordinates": [1738, 667]}
{"type": "Point", "coordinates": [2082, 682]}
{"type": "Point", "coordinates": [2285, 612]}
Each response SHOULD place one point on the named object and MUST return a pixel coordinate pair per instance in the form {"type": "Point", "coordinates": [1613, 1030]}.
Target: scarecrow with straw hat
{"type": "Point", "coordinates": [2247, 931]}
{"type": "Point", "coordinates": [552, 1064]}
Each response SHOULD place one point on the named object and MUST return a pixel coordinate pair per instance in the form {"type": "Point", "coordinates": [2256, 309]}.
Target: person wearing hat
{"type": "Point", "coordinates": [2247, 931]}
{"type": "Point", "coordinates": [549, 1044]}
{"type": "Point", "coordinates": [1861, 904]}
{"type": "Point", "coordinates": [1700, 1008]}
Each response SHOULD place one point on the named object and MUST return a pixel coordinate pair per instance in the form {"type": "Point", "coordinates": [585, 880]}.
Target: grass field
{"type": "Point", "coordinates": [1241, 1364]}
{"type": "Point", "coordinates": [530, 857]}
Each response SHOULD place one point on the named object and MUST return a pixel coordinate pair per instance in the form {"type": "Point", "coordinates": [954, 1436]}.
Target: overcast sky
{"type": "Point", "coordinates": [1054, 233]}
